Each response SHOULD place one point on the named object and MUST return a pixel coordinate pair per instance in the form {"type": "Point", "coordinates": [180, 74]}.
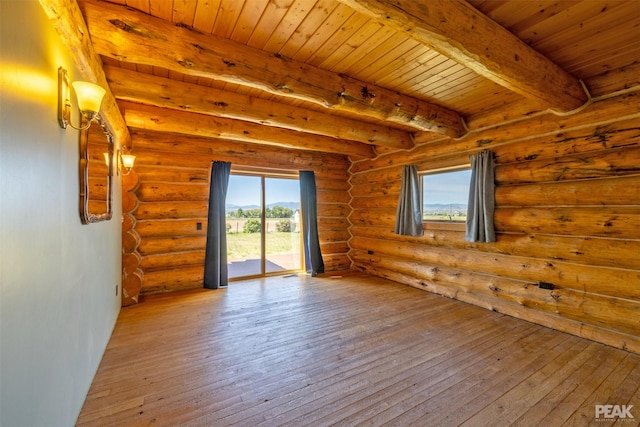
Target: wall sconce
{"type": "Point", "coordinates": [88, 95]}
{"type": "Point", "coordinates": [125, 161]}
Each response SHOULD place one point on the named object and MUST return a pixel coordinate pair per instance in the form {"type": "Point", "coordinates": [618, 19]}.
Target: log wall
{"type": "Point", "coordinates": [567, 213]}
{"type": "Point", "coordinates": [171, 199]}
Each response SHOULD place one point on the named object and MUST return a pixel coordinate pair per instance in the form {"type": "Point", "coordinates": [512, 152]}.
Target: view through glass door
{"type": "Point", "coordinates": [263, 225]}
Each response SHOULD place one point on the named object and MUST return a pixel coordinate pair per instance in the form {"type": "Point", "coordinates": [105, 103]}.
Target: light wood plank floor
{"type": "Point", "coordinates": [355, 350]}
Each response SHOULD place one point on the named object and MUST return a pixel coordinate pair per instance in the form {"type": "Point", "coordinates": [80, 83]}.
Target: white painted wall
{"type": "Point", "coordinates": [58, 278]}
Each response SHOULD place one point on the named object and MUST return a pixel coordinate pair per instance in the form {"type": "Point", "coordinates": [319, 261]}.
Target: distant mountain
{"type": "Point", "coordinates": [232, 207]}
{"type": "Point", "coordinates": [444, 207]}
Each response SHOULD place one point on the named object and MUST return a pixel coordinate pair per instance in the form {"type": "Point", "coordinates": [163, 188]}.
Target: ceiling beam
{"type": "Point", "coordinates": [130, 36]}
{"type": "Point", "coordinates": [157, 119]}
{"type": "Point", "coordinates": [457, 30]}
{"type": "Point", "coordinates": [68, 22]}
{"type": "Point", "coordinates": [176, 95]}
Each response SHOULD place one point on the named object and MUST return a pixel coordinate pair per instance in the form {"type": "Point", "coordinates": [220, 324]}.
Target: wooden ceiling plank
{"type": "Point", "coordinates": [144, 68]}
{"type": "Point", "coordinates": [338, 18]}
{"type": "Point", "coordinates": [227, 16]}
{"type": "Point", "coordinates": [482, 99]}
{"type": "Point", "coordinates": [129, 65]}
{"type": "Point", "coordinates": [538, 15]}
{"type": "Point", "coordinates": [390, 61]}
{"type": "Point", "coordinates": [132, 36]}
{"type": "Point", "coordinates": [343, 42]}
{"type": "Point", "coordinates": [175, 76]}
{"type": "Point", "coordinates": [451, 78]}
{"type": "Point", "coordinates": [205, 15]}
{"type": "Point", "coordinates": [188, 79]}
{"type": "Point", "coordinates": [165, 93]}
{"type": "Point", "coordinates": [606, 59]}
{"type": "Point", "coordinates": [247, 21]}
{"type": "Point", "coordinates": [110, 61]}
{"type": "Point", "coordinates": [468, 91]}
{"type": "Point", "coordinates": [459, 31]}
{"type": "Point", "coordinates": [294, 16]}
{"type": "Point", "coordinates": [141, 5]}
{"type": "Point", "coordinates": [184, 12]}
{"type": "Point", "coordinates": [367, 54]}
{"type": "Point", "coordinates": [462, 83]}
{"type": "Point", "coordinates": [408, 66]}
{"type": "Point", "coordinates": [569, 18]}
{"type": "Point", "coordinates": [438, 72]}
{"type": "Point", "coordinates": [517, 16]}
{"type": "Point", "coordinates": [489, 4]}
{"type": "Point", "coordinates": [307, 28]}
{"type": "Point", "coordinates": [156, 119]}
{"type": "Point", "coordinates": [458, 82]}
{"type": "Point", "coordinates": [615, 80]}
{"type": "Point", "coordinates": [67, 19]}
{"type": "Point", "coordinates": [431, 64]}
{"type": "Point", "coordinates": [593, 33]}
{"type": "Point", "coordinates": [162, 72]}
{"type": "Point", "coordinates": [269, 21]}
{"type": "Point", "coordinates": [351, 64]}
{"type": "Point", "coordinates": [418, 79]}
{"type": "Point", "coordinates": [161, 8]}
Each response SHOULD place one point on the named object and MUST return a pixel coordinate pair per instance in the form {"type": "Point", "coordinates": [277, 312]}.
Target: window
{"type": "Point", "coordinates": [445, 194]}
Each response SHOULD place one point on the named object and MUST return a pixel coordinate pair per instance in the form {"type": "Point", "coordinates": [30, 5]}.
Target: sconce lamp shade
{"type": "Point", "coordinates": [128, 160]}
{"type": "Point", "coordinates": [89, 97]}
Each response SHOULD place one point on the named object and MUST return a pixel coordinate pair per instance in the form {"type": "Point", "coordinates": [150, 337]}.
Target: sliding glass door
{"type": "Point", "coordinates": [263, 227]}
{"type": "Point", "coordinates": [244, 219]}
{"type": "Point", "coordinates": [282, 236]}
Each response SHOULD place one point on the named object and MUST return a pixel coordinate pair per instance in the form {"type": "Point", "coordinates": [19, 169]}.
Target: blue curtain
{"type": "Point", "coordinates": [481, 199]}
{"type": "Point", "coordinates": [409, 213]}
{"type": "Point", "coordinates": [312, 255]}
{"type": "Point", "coordinates": [216, 273]}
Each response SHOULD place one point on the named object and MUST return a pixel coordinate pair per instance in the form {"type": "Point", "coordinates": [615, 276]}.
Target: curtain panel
{"type": "Point", "coordinates": [216, 272]}
{"type": "Point", "coordinates": [481, 199]}
{"type": "Point", "coordinates": [314, 263]}
{"type": "Point", "coordinates": [409, 213]}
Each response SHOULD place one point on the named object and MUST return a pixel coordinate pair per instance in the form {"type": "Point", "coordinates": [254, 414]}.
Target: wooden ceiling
{"type": "Point", "coordinates": [349, 76]}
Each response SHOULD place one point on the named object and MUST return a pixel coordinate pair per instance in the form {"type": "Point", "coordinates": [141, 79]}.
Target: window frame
{"type": "Point", "coordinates": [264, 174]}
{"type": "Point", "coordinates": [440, 224]}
